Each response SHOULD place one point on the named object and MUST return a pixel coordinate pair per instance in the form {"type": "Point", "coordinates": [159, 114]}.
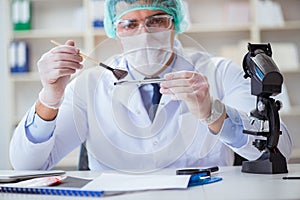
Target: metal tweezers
{"type": "Point", "coordinates": [145, 81]}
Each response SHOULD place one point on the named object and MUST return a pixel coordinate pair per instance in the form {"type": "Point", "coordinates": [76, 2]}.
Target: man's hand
{"type": "Point", "coordinates": [193, 88]}
{"type": "Point", "coordinates": [55, 69]}
{"type": "Point", "coordinates": [190, 87]}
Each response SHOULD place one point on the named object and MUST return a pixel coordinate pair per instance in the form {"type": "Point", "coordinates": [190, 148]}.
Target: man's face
{"type": "Point", "coordinates": [147, 39]}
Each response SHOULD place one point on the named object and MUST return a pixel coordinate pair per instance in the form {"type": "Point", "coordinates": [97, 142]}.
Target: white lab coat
{"type": "Point", "coordinates": [119, 134]}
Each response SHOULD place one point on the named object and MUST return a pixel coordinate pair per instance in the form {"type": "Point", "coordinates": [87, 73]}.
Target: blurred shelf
{"type": "Point", "coordinates": [294, 111]}
{"type": "Point", "coordinates": [291, 72]}
{"type": "Point", "coordinates": [295, 157]}
{"type": "Point", "coordinates": [25, 77]}
{"type": "Point", "coordinates": [40, 34]}
{"type": "Point", "coordinates": [202, 28]}
{"type": "Point", "coordinates": [100, 32]}
{"type": "Point", "coordinates": [288, 25]}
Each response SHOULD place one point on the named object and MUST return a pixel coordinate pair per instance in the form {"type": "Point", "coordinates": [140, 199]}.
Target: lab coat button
{"type": "Point", "coordinates": [155, 143]}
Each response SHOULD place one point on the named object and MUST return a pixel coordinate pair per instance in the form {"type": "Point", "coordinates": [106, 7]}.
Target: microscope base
{"type": "Point", "coordinates": [268, 163]}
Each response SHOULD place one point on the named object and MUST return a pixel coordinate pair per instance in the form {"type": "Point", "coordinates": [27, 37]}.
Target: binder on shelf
{"type": "Point", "coordinates": [97, 13]}
{"type": "Point", "coordinates": [22, 57]}
{"type": "Point", "coordinates": [269, 13]}
{"type": "Point", "coordinates": [237, 13]}
{"type": "Point", "coordinates": [286, 56]}
{"type": "Point", "coordinates": [13, 57]}
{"type": "Point", "coordinates": [19, 57]}
{"type": "Point", "coordinates": [21, 14]}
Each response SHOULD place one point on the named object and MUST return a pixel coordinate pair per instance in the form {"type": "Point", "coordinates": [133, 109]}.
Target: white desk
{"type": "Point", "coordinates": [235, 185]}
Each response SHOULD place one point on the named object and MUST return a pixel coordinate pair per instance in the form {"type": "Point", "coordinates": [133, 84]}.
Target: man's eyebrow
{"type": "Point", "coordinates": [157, 14]}
{"type": "Point", "coordinates": [132, 19]}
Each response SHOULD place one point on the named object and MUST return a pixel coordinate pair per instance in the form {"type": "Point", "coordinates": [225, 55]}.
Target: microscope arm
{"type": "Point", "coordinates": [274, 123]}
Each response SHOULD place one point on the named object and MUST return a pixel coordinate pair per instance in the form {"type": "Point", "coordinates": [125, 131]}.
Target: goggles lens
{"type": "Point", "coordinates": [156, 23]}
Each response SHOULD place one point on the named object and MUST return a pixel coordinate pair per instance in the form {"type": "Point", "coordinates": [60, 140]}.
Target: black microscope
{"type": "Point", "coordinates": [266, 81]}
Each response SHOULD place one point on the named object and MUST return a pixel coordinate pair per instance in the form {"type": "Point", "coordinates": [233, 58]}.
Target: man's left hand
{"type": "Point", "coordinates": [191, 87]}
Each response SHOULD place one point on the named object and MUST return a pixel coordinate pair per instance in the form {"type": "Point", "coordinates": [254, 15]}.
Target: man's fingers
{"type": "Point", "coordinates": [54, 75]}
{"type": "Point", "coordinates": [67, 65]}
{"type": "Point", "coordinates": [179, 75]}
{"type": "Point", "coordinates": [181, 80]}
{"type": "Point", "coordinates": [70, 43]}
{"type": "Point", "coordinates": [66, 57]}
{"type": "Point", "coordinates": [65, 49]}
{"type": "Point", "coordinates": [197, 88]}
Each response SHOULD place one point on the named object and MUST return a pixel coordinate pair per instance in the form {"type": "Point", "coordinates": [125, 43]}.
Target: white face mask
{"type": "Point", "coordinates": [148, 53]}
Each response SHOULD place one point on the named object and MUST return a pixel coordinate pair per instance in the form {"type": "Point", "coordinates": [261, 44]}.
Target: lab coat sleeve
{"type": "Point", "coordinates": [27, 151]}
{"type": "Point", "coordinates": [34, 125]}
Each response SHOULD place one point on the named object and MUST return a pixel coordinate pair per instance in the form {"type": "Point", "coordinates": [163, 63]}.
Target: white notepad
{"type": "Point", "coordinates": [110, 182]}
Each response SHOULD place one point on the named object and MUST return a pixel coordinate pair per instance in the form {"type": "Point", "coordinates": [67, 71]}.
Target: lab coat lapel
{"type": "Point", "coordinates": [165, 99]}
{"type": "Point", "coordinates": [129, 96]}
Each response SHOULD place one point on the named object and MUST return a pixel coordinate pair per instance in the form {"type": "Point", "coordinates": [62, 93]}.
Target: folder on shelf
{"type": "Point", "coordinates": [269, 13]}
{"type": "Point", "coordinates": [21, 14]}
{"type": "Point", "coordinates": [13, 57]}
{"type": "Point", "coordinates": [237, 12]}
{"type": "Point", "coordinates": [97, 13]}
{"type": "Point", "coordinates": [22, 59]}
{"type": "Point", "coordinates": [285, 55]}
{"type": "Point", "coordinates": [19, 57]}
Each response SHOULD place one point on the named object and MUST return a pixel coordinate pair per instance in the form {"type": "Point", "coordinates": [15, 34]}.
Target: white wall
{"type": "Point", "coordinates": [5, 126]}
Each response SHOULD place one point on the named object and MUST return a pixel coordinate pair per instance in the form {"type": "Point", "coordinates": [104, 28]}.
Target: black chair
{"type": "Point", "coordinates": [238, 160]}
{"type": "Point", "coordinates": [83, 164]}
{"type": "Point", "coordinates": [83, 158]}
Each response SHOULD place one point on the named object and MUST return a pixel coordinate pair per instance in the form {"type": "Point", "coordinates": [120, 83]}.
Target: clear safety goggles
{"type": "Point", "coordinates": [155, 23]}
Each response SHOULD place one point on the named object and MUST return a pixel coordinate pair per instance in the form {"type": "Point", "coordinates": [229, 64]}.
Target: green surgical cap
{"type": "Point", "coordinates": [115, 9]}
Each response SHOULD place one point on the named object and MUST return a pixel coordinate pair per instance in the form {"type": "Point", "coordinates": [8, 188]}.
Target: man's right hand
{"type": "Point", "coordinates": [55, 69]}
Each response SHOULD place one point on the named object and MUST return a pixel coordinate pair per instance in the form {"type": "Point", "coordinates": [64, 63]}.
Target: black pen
{"type": "Point", "coordinates": [190, 171]}
{"type": "Point", "coordinates": [213, 169]}
{"type": "Point", "coordinates": [291, 178]}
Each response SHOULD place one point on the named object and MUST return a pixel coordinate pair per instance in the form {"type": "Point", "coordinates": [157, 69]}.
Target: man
{"type": "Point", "coordinates": [198, 121]}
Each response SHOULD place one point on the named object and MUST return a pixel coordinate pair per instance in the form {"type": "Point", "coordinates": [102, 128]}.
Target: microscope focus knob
{"type": "Point", "coordinates": [278, 104]}
{"type": "Point", "coordinates": [260, 106]}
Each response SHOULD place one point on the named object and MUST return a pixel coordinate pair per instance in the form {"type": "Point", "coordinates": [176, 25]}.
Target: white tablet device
{"type": "Point", "coordinates": [8, 176]}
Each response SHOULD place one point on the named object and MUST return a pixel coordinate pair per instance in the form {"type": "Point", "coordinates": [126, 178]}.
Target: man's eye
{"type": "Point", "coordinates": [157, 21]}
{"type": "Point", "coordinates": [128, 26]}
